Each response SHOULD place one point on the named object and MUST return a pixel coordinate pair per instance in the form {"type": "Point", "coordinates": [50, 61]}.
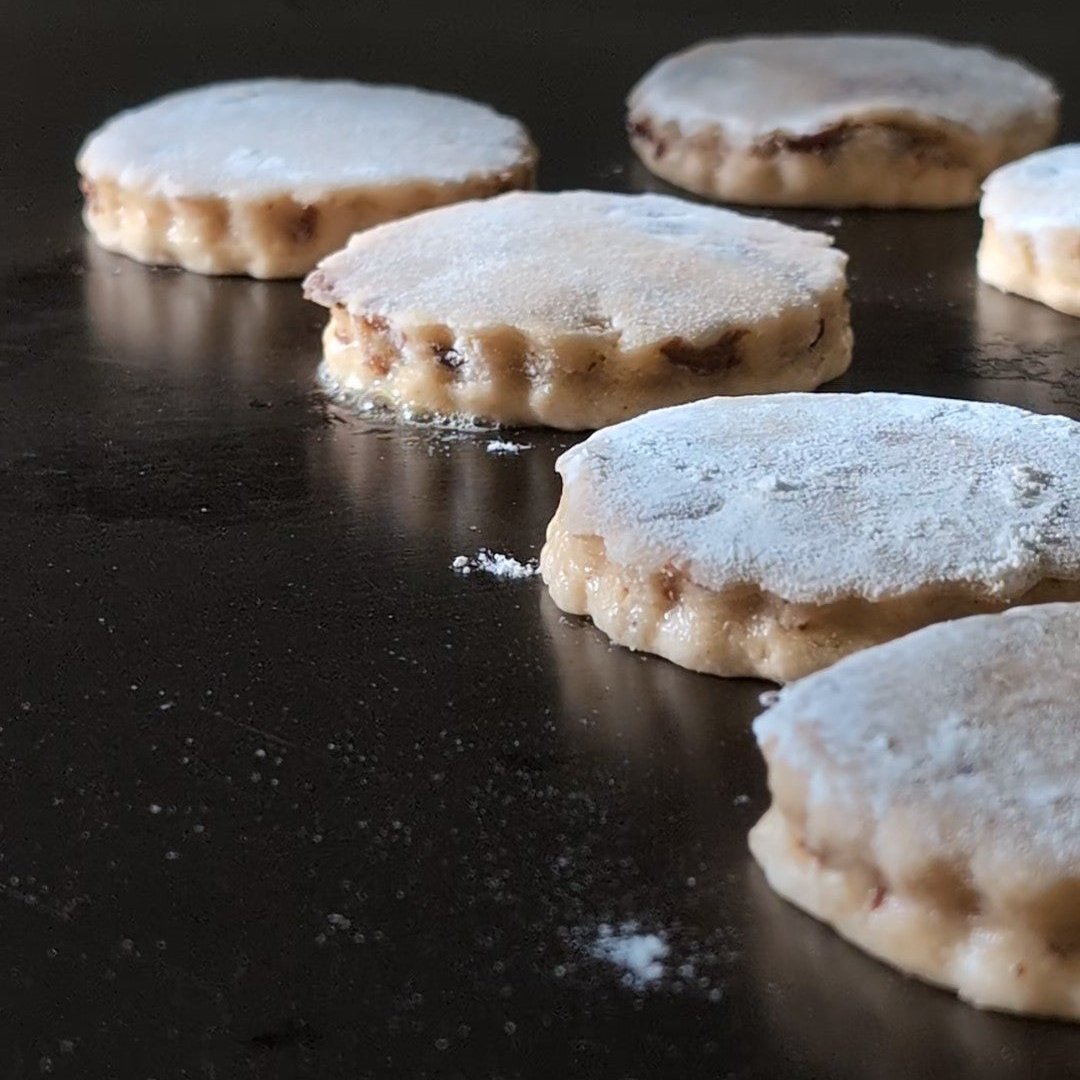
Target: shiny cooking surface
{"type": "Point", "coordinates": [281, 794]}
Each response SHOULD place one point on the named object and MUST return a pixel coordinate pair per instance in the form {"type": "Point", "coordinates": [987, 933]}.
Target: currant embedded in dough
{"type": "Point", "coordinates": [926, 804]}
{"type": "Point", "coordinates": [579, 309]}
{"type": "Point", "coordinates": [265, 177]}
{"type": "Point", "coordinates": [771, 536]}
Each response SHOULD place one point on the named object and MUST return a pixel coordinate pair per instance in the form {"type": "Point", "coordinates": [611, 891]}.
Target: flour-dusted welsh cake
{"type": "Point", "coordinates": [771, 536]}
{"type": "Point", "coordinates": [926, 804]}
{"type": "Point", "coordinates": [843, 120]}
{"type": "Point", "coordinates": [578, 309]}
{"type": "Point", "coordinates": [265, 177]}
{"type": "Point", "coordinates": [1031, 228]}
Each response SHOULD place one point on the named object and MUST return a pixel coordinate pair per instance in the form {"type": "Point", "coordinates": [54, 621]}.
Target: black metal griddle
{"type": "Point", "coordinates": [283, 796]}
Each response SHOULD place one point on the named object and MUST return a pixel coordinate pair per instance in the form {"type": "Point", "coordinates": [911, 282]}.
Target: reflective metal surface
{"type": "Point", "coordinates": [280, 793]}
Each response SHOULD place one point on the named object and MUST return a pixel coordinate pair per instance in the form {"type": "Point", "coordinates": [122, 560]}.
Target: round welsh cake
{"type": "Point", "coordinates": [265, 177]}
{"type": "Point", "coordinates": [926, 804]}
{"type": "Point", "coordinates": [1031, 228]}
{"type": "Point", "coordinates": [578, 309]}
{"type": "Point", "coordinates": [838, 120]}
{"type": "Point", "coordinates": [771, 536]}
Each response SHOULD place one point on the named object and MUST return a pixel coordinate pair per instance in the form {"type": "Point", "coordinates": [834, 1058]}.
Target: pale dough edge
{"type": "Point", "coordinates": [579, 382]}
{"type": "Point", "coordinates": [742, 631]}
{"type": "Point", "coordinates": [989, 965]}
{"type": "Point", "coordinates": [861, 173]}
{"type": "Point", "coordinates": [267, 238]}
{"type": "Point", "coordinates": [1015, 261]}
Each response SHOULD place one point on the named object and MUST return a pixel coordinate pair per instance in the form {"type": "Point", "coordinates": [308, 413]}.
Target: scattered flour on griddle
{"type": "Point", "coordinates": [504, 446]}
{"type": "Point", "coordinates": [639, 956]}
{"type": "Point", "coordinates": [496, 564]}
{"type": "Point", "coordinates": [676, 959]}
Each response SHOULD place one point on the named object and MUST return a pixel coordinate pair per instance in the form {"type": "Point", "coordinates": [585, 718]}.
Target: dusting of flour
{"type": "Point", "coordinates": [1037, 192]}
{"type": "Point", "coordinates": [752, 87]}
{"type": "Point", "coordinates": [969, 725]}
{"type": "Point", "coordinates": [819, 497]}
{"type": "Point", "coordinates": [297, 136]}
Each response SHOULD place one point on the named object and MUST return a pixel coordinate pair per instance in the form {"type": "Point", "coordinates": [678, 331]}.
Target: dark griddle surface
{"type": "Point", "coordinates": [224, 600]}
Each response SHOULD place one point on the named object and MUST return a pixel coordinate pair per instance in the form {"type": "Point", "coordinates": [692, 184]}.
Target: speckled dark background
{"type": "Point", "coordinates": [223, 601]}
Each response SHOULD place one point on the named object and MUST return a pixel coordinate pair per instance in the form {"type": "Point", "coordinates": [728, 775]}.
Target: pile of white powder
{"type": "Point", "coordinates": [503, 446]}
{"type": "Point", "coordinates": [639, 956]}
{"type": "Point", "coordinates": [491, 562]}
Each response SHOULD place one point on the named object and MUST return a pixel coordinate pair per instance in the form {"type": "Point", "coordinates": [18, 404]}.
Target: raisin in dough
{"type": "Point", "coordinates": [771, 536]}
{"type": "Point", "coordinates": [926, 804]}
{"type": "Point", "coordinates": [838, 121]}
{"type": "Point", "coordinates": [1031, 228]}
{"type": "Point", "coordinates": [266, 177]}
{"type": "Point", "coordinates": [578, 309]}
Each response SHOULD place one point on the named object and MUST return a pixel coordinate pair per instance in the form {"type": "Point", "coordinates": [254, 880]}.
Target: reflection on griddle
{"type": "Point", "coordinates": [1027, 350]}
{"type": "Point", "coordinates": [642, 705]}
{"type": "Point", "coordinates": [906, 1028]}
{"type": "Point", "coordinates": [442, 485]}
{"type": "Point", "coordinates": [188, 325]}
